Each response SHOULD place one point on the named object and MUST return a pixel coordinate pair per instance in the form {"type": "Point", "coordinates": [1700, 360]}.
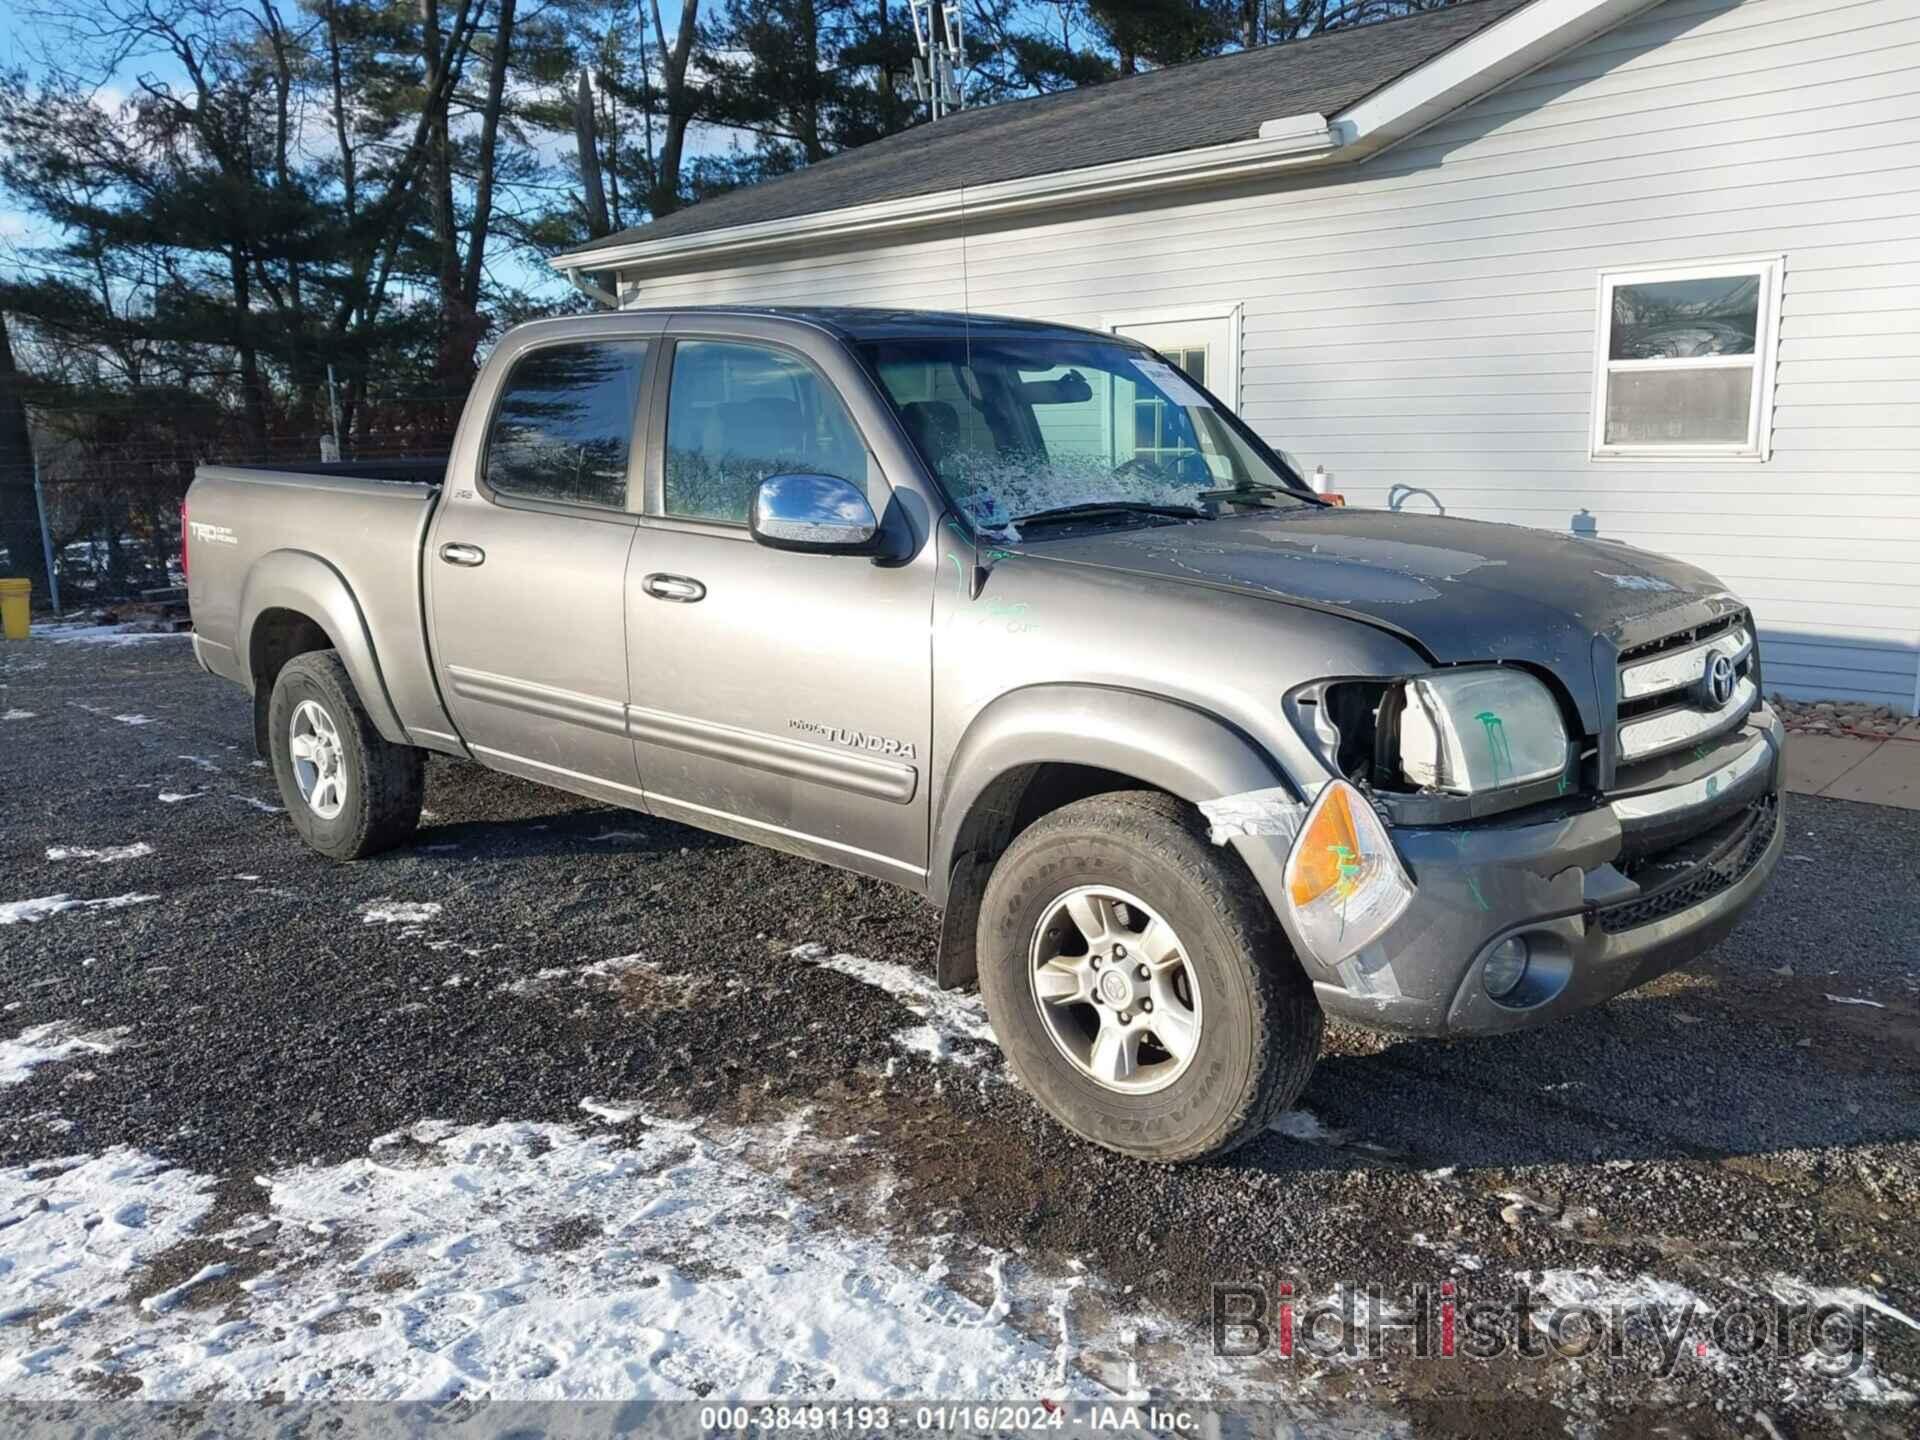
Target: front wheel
{"type": "Point", "coordinates": [350, 792]}
{"type": "Point", "coordinates": [1139, 983]}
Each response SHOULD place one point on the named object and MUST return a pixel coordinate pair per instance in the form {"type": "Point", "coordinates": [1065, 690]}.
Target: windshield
{"type": "Point", "coordinates": [1017, 428]}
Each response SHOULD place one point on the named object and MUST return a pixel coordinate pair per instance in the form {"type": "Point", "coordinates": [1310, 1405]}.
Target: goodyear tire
{"type": "Point", "coordinates": [350, 792]}
{"type": "Point", "coordinates": [1138, 982]}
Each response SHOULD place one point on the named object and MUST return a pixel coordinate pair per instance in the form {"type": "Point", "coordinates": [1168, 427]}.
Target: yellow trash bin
{"type": "Point", "coordinates": [15, 596]}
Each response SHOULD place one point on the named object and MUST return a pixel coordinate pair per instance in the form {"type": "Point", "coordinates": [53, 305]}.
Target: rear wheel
{"type": "Point", "coordinates": [1138, 982]}
{"type": "Point", "coordinates": [350, 792]}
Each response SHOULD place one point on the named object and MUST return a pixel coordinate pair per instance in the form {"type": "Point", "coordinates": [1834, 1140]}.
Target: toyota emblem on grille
{"type": "Point", "coordinates": [1717, 683]}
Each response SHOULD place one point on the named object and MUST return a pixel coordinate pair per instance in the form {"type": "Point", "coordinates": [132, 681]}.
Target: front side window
{"type": "Point", "coordinates": [738, 413]}
{"type": "Point", "coordinates": [1685, 361]}
{"type": "Point", "coordinates": [563, 430]}
{"type": "Point", "coordinates": [1016, 428]}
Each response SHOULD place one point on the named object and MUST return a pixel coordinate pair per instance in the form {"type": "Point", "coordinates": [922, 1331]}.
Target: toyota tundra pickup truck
{"type": "Point", "coordinates": [1023, 618]}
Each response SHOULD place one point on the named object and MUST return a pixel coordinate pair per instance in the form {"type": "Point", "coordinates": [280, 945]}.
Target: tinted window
{"type": "Point", "coordinates": [564, 428]}
{"type": "Point", "coordinates": [739, 413]}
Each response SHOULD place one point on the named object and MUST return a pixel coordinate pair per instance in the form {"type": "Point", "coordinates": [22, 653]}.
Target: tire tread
{"type": "Point", "coordinates": [394, 776]}
{"type": "Point", "coordinates": [1287, 1019]}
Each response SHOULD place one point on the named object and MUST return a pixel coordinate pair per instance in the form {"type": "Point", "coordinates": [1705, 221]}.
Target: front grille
{"type": "Point", "coordinates": [1705, 867]}
{"type": "Point", "coordinates": [1664, 702]}
{"type": "Point", "coordinates": [1680, 639]}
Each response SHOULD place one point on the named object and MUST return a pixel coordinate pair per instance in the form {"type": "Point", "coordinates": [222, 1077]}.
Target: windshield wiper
{"type": "Point", "coordinates": [1255, 491]}
{"type": "Point", "coordinates": [1096, 508]}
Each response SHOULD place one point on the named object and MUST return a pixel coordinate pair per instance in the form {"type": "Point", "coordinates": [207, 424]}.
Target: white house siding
{"type": "Point", "coordinates": [1427, 319]}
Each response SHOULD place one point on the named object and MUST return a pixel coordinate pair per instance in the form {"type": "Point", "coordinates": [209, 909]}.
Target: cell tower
{"type": "Point", "coordinates": [940, 33]}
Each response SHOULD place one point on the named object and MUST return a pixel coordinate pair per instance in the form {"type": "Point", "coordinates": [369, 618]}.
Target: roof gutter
{"type": "Point", "coordinates": [1512, 46]}
{"type": "Point", "coordinates": [1507, 49]}
{"type": "Point", "coordinates": [1284, 144]}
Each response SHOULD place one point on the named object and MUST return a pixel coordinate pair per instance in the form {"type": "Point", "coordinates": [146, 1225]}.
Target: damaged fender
{"type": "Point", "coordinates": [1160, 742]}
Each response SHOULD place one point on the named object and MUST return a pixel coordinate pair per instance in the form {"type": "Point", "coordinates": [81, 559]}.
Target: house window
{"type": "Point", "coordinates": [1684, 361]}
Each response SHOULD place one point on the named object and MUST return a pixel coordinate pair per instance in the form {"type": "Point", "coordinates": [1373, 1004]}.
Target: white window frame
{"type": "Point", "coordinates": [1758, 444]}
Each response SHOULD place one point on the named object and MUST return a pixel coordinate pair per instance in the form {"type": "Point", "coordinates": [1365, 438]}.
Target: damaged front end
{"type": "Point", "coordinates": [1538, 864]}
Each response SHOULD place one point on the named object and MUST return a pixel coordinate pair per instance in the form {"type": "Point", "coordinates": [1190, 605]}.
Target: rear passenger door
{"type": "Point", "coordinates": [527, 560]}
{"type": "Point", "coordinates": [778, 696]}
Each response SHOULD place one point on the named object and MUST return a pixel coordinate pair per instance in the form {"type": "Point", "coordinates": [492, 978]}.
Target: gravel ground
{"type": "Point", "coordinates": [1729, 1133]}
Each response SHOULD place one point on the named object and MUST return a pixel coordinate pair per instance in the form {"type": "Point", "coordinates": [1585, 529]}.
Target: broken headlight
{"type": "Point", "coordinates": [1462, 731]}
{"type": "Point", "coordinates": [1476, 729]}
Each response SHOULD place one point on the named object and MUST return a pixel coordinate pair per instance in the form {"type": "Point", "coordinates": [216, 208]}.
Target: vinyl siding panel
{"type": "Point", "coordinates": [1426, 318]}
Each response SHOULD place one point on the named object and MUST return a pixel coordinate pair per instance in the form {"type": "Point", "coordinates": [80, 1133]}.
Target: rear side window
{"type": "Point", "coordinates": [737, 413]}
{"type": "Point", "coordinates": [563, 430]}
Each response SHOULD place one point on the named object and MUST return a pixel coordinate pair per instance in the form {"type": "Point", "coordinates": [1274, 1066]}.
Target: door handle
{"type": "Point", "coordinates": [463, 555]}
{"type": "Point", "coordinates": [674, 587]}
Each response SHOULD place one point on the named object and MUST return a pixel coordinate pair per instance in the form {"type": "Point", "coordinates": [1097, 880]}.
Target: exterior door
{"type": "Point", "coordinates": [779, 696]}
{"type": "Point", "coordinates": [527, 563]}
{"type": "Point", "coordinates": [1205, 345]}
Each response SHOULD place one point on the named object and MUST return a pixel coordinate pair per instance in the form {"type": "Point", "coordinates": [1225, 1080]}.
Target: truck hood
{"type": "Point", "coordinates": [1458, 590]}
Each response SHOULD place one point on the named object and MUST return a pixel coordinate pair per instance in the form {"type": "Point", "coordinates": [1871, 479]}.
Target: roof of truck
{"type": "Point", "coordinates": [860, 322]}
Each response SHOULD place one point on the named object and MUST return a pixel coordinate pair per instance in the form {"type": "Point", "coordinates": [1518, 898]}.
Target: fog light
{"type": "Point", "coordinates": [1506, 967]}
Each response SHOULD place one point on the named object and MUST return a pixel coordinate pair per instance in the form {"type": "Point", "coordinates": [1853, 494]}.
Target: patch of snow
{"type": "Point", "coordinates": [401, 912]}
{"type": "Point", "coordinates": [1451, 1253]}
{"type": "Point", "coordinates": [259, 804]}
{"type": "Point", "coordinates": [612, 1114]}
{"type": "Point", "coordinates": [107, 856]}
{"type": "Point", "coordinates": [659, 987]}
{"type": "Point", "coordinates": [17, 714]}
{"type": "Point", "coordinates": [949, 1015]}
{"type": "Point", "coordinates": [85, 1225]}
{"type": "Point", "coordinates": [129, 633]}
{"type": "Point", "coordinates": [167, 1299]}
{"type": "Point", "coordinates": [57, 1040]}
{"type": "Point", "coordinates": [1798, 1292]}
{"type": "Point", "coordinates": [31, 912]}
{"type": "Point", "coordinates": [136, 719]}
{"type": "Point", "coordinates": [1635, 582]}
{"type": "Point", "coordinates": [200, 762]}
{"type": "Point", "coordinates": [174, 797]}
{"type": "Point", "coordinates": [1304, 1125]}
{"type": "Point", "coordinates": [539, 980]}
{"type": "Point", "coordinates": [1598, 1290]}
{"type": "Point", "coordinates": [1855, 1000]}
{"type": "Point", "coordinates": [1861, 1382]}
{"type": "Point", "coordinates": [510, 1261]}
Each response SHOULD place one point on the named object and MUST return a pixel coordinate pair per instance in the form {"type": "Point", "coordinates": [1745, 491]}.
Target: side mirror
{"type": "Point", "coordinates": [819, 513]}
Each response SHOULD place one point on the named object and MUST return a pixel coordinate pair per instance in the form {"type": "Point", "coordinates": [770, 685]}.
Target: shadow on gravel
{"type": "Point", "coordinates": [1707, 1074]}
{"type": "Point", "coordinates": [561, 832]}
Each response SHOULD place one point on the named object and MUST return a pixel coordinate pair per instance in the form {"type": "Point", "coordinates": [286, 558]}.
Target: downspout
{"type": "Point", "coordinates": [592, 291]}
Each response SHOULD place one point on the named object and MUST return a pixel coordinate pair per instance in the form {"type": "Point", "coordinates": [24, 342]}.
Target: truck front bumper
{"type": "Point", "coordinates": [1605, 897]}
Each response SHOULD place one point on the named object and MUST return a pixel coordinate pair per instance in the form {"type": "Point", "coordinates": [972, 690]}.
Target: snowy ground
{"type": "Point", "coordinates": [529, 1261]}
{"type": "Point", "coordinates": [564, 1103]}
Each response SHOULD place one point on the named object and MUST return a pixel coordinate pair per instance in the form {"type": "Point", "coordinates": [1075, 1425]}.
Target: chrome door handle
{"type": "Point", "coordinates": [463, 554]}
{"type": "Point", "coordinates": [674, 587]}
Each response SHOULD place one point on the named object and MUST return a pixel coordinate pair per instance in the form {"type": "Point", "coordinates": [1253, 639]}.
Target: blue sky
{"type": "Point", "coordinates": [26, 39]}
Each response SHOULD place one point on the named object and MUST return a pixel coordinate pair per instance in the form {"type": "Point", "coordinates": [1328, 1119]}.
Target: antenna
{"type": "Point", "coordinates": [940, 35]}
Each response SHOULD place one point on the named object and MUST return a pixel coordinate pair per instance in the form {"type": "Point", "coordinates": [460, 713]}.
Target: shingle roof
{"type": "Point", "coordinates": [1182, 107]}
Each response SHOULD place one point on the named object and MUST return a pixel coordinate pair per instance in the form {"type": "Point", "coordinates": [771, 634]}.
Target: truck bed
{"type": "Point", "coordinates": [254, 531]}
